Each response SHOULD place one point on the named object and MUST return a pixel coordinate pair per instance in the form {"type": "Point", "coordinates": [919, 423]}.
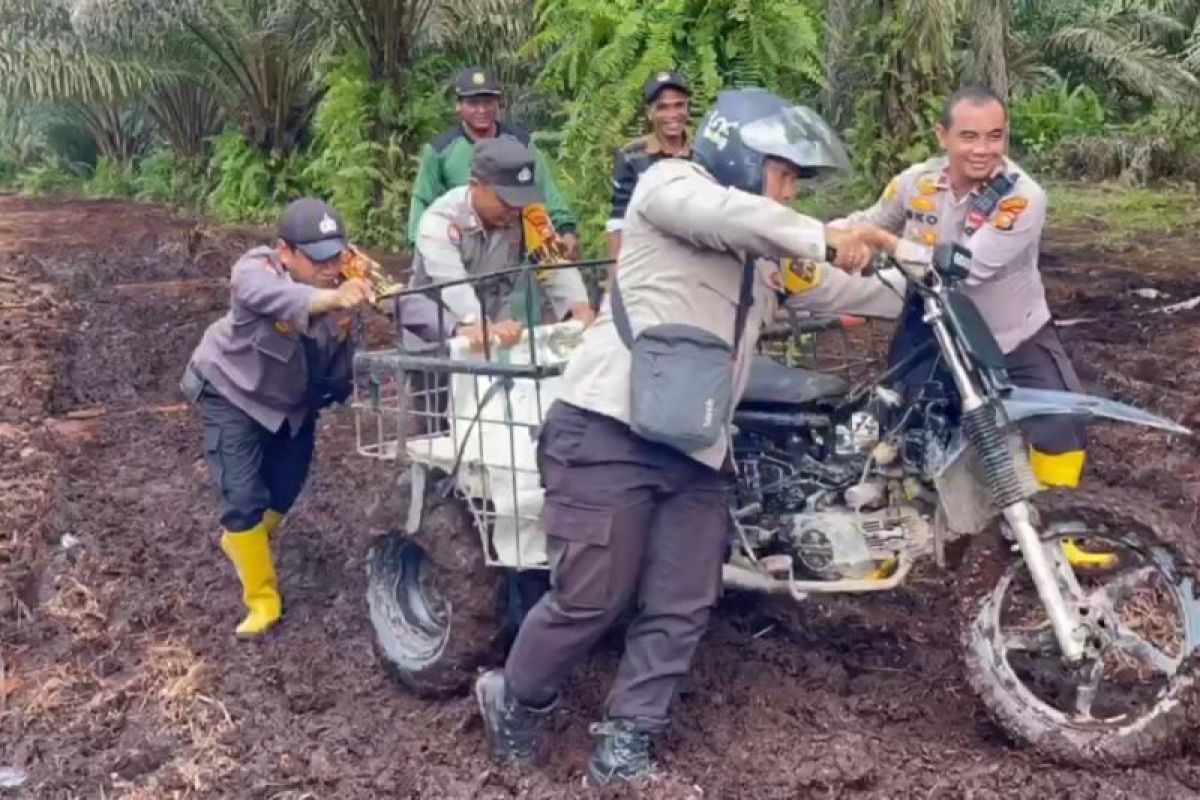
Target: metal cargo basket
{"type": "Point", "coordinates": [472, 416]}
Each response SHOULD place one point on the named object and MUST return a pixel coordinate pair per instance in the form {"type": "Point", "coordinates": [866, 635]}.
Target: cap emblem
{"type": "Point", "coordinates": [327, 225]}
{"type": "Point", "coordinates": [525, 175]}
{"type": "Point", "coordinates": [663, 76]}
{"type": "Point", "coordinates": [478, 79]}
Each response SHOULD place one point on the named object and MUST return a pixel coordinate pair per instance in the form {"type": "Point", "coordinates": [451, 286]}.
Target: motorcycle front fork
{"type": "Point", "coordinates": [1049, 579]}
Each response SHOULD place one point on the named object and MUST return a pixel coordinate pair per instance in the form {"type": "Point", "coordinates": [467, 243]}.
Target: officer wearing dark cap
{"type": "Point", "coordinates": [446, 161]}
{"type": "Point", "coordinates": [261, 374]}
{"type": "Point", "coordinates": [666, 97]}
{"type": "Point", "coordinates": [475, 229]}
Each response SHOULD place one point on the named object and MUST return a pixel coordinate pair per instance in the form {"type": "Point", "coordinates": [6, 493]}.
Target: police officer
{"type": "Point", "coordinates": [261, 374]}
{"type": "Point", "coordinates": [626, 517]}
{"type": "Point", "coordinates": [476, 229]}
{"type": "Point", "coordinates": [666, 96]}
{"type": "Point", "coordinates": [446, 161]}
{"type": "Point", "coordinates": [974, 195]}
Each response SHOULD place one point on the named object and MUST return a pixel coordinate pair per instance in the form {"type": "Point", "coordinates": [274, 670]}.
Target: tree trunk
{"type": "Point", "coordinates": [991, 22]}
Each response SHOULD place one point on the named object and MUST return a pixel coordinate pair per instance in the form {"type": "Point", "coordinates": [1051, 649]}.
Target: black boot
{"type": "Point", "coordinates": [511, 727]}
{"type": "Point", "coordinates": [622, 753]}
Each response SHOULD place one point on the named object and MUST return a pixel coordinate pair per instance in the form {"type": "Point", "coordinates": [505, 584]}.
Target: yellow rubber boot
{"type": "Point", "coordinates": [271, 519]}
{"type": "Point", "coordinates": [250, 552]}
{"type": "Point", "coordinates": [1064, 470]}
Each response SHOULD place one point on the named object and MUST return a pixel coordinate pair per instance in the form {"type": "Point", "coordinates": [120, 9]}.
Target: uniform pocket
{"type": "Point", "coordinates": [577, 540]}
{"type": "Point", "coordinates": [273, 344]}
{"type": "Point", "coordinates": [212, 455]}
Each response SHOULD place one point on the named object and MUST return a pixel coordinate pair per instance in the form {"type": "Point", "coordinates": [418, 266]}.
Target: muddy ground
{"type": "Point", "coordinates": [120, 677]}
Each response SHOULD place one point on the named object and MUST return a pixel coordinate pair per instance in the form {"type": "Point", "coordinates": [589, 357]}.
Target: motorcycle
{"type": "Point", "coordinates": [1079, 620]}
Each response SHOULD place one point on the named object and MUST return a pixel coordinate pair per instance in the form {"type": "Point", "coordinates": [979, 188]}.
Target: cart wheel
{"type": "Point", "coordinates": [436, 609]}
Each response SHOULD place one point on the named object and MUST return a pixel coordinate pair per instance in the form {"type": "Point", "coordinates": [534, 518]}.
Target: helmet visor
{"type": "Point", "coordinates": [799, 135]}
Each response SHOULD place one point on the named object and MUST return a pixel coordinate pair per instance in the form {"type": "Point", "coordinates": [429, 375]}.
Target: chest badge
{"type": "Point", "coordinates": [1014, 205]}
{"type": "Point", "coordinates": [1005, 220]}
{"type": "Point", "coordinates": [929, 237]}
{"type": "Point", "coordinates": [283, 327]}
{"type": "Point", "coordinates": [923, 204]}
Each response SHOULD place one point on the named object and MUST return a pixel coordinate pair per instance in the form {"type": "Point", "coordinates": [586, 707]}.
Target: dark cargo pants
{"type": "Point", "coordinates": [253, 468]}
{"type": "Point", "coordinates": [624, 518]}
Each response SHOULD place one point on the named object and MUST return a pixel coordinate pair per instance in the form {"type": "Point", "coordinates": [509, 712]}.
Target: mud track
{"type": "Point", "coordinates": [119, 676]}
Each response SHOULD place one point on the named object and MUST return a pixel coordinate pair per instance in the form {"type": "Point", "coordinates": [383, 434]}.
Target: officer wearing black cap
{"type": "Point", "coordinates": [260, 376]}
{"type": "Point", "coordinates": [475, 229]}
{"type": "Point", "coordinates": [446, 161]}
{"type": "Point", "coordinates": [666, 97]}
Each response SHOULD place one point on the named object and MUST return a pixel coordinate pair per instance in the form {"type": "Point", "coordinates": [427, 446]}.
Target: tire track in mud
{"type": "Point", "coordinates": [128, 679]}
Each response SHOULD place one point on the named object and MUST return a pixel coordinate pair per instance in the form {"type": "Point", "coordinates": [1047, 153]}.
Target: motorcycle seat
{"type": "Point", "coordinates": [772, 383]}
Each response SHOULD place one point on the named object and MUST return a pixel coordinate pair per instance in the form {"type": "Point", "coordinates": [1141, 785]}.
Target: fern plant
{"type": "Point", "coordinates": [597, 56]}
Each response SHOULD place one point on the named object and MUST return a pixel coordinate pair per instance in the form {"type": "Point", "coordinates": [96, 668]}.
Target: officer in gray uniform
{"type": "Point", "coordinates": [261, 374]}
{"type": "Point", "coordinates": [476, 229]}
{"type": "Point", "coordinates": [629, 518]}
{"type": "Point", "coordinates": [974, 195]}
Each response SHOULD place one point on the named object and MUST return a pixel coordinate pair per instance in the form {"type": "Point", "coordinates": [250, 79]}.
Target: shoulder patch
{"type": "Point", "coordinates": [446, 138]}
{"type": "Point", "coordinates": [799, 276]}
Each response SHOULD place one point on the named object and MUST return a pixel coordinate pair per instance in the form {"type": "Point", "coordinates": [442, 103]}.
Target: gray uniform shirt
{"type": "Point", "coordinates": [686, 238]}
{"type": "Point", "coordinates": [255, 356]}
{"type": "Point", "coordinates": [1005, 281]}
{"type": "Point", "coordinates": [452, 244]}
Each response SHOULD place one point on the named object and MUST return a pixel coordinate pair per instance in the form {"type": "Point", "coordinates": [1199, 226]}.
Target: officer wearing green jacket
{"type": "Point", "coordinates": [446, 161]}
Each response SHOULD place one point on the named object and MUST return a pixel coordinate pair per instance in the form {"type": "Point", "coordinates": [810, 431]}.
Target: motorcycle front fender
{"type": "Point", "coordinates": [1022, 403]}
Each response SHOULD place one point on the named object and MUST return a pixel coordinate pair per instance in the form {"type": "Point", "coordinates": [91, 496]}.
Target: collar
{"type": "Point", "coordinates": [655, 146]}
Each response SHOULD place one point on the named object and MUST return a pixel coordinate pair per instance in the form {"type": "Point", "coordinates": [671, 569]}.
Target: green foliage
{"type": "Point", "coordinates": [346, 153]}
{"type": "Point", "coordinates": [1119, 216]}
{"type": "Point", "coordinates": [162, 177]}
{"type": "Point", "coordinates": [599, 54]}
{"type": "Point", "coordinates": [1042, 119]}
{"type": "Point", "coordinates": [250, 185]}
{"type": "Point", "coordinates": [52, 177]}
{"type": "Point", "coordinates": [110, 179]}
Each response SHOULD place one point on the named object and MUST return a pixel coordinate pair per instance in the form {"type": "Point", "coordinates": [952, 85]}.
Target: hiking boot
{"type": "Point", "coordinates": [512, 728]}
{"type": "Point", "coordinates": [622, 753]}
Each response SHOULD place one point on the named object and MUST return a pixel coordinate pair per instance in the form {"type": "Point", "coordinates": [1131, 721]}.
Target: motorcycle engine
{"type": "Point", "coordinates": [840, 544]}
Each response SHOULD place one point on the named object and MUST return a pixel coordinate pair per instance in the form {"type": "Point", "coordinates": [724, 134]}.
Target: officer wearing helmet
{"type": "Point", "coordinates": [629, 518]}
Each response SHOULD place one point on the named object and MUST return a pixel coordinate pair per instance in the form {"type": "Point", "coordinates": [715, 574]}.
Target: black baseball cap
{"type": "Point", "coordinates": [474, 81]}
{"type": "Point", "coordinates": [314, 227]}
{"type": "Point", "coordinates": [663, 80]}
{"type": "Point", "coordinates": [507, 165]}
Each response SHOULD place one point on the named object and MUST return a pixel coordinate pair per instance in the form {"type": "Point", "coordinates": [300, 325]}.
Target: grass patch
{"type": "Point", "coordinates": [1118, 214]}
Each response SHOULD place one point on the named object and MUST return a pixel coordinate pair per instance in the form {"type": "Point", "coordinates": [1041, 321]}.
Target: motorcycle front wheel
{"type": "Point", "coordinates": [1128, 701]}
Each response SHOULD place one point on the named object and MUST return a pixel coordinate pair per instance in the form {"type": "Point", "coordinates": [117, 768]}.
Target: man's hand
{"type": "Point", "coordinates": [572, 243]}
{"type": "Point", "coordinates": [852, 253]}
{"type": "Point", "coordinates": [353, 293]}
{"type": "Point", "coordinates": [503, 334]}
{"type": "Point", "coordinates": [584, 313]}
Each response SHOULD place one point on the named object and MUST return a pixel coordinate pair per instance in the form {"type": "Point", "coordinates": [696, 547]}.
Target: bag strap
{"type": "Point", "coordinates": [745, 301]}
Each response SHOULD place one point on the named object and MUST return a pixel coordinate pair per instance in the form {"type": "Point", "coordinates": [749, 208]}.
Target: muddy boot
{"type": "Point", "coordinates": [512, 728]}
{"type": "Point", "coordinates": [622, 754]}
